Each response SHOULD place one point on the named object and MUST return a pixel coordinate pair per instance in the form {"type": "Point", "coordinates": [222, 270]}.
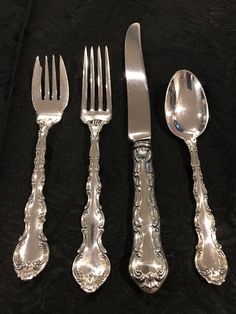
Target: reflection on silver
{"type": "Point", "coordinates": [187, 116]}
{"type": "Point", "coordinates": [136, 76]}
{"type": "Point", "coordinates": [32, 252]}
{"type": "Point", "coordinates": [91, 266]}
{"type": "Point", "coordinates": [148, 266]}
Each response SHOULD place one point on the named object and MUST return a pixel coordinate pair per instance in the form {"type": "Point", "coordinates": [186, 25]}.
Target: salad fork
{"type": "Point", "coordinates": [91, 266]}
{"type": "Point", "coordinates": [32, 252]}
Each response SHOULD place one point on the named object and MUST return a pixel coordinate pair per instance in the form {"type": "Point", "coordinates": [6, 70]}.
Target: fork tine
{"type": "Point", "coordinates": [36, 89]}
{"type": "Point", "coordinates": [64, 85]}
{"type": "Point", "coordinates": [108, 80]}
{"type": "Point", "coordinates": [85, 82]}
{"type": "Point", "coordinates": [46, 82]}
{"type": "Point", "coordinates": [99, 80]}
{"type": "Point", "coordinates": [54, 79]}
{"type": "Point", "coordinates": [92, 80]}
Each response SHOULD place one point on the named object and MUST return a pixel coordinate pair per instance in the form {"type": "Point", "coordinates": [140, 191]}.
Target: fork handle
{"type": "Point", "coordinates": [210, 260]}
{"type": "Point", "coordinates": [32, 252]}
{"type": "Point", "coordinates": [91, 266]}
{"type": "Point", "coordinates": [148, 266]}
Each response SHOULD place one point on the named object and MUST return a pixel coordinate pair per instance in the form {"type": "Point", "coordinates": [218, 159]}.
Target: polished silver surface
{"type": "Point", "coordinates": [139, 121]}
{"type": "Point", "coordinates": [148, 266]}
{"type": "Point", "coordinates": [91, 266]}
{"type": "Point", "coordinates": [186, 111]}
{"type": "Point", "coordinates": [32, 252]}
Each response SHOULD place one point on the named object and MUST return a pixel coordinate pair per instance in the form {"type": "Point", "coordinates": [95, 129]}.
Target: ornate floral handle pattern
{"type": "Point", "coordinates": [91, 266]}
{"type": "Point", "coordinates": [148, 266]}
{"type": "Point", "coordinates": [32, 252]}
{"type": "Point", "coordinates": [210, 260]}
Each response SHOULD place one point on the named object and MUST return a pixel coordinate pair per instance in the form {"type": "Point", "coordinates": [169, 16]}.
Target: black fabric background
{"type": "Point", "coordinates": [197, 35]}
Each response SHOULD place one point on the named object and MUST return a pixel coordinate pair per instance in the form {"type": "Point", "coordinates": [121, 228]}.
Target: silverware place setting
{"type": "Point", "coordinates": [187, 115]}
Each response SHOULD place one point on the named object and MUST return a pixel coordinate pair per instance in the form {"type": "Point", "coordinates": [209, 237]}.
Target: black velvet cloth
{"type": "Point", "coordinates": [196, 35]}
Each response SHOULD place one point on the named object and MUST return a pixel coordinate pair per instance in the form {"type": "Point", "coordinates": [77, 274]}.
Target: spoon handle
{"type": "Point", "coordinates": [91, 266]}
{"type": "Point", "coordinates": [31, 253]}
{"type": "Point", "coordinates": [148, 266]}
{"type": "Point", "coordinates": [210, 260]}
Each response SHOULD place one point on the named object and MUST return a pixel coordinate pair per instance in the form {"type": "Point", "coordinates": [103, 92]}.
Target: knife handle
{"type": "Point", "coordinates": [148, 266]}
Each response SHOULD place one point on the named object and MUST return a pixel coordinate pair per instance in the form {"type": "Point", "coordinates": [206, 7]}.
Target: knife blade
{"type": "Point", "coordinates": [139, 124]}
{"type": "Point", "coordinates": [148, 266]}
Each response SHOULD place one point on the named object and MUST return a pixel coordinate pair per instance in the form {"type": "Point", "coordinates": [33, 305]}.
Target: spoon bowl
{"type": "Point", "coordinates": [186, 106]}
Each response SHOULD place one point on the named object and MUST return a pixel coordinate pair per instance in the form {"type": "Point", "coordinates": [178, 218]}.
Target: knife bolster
{"type": "Point", "coordinates": [144, 143]}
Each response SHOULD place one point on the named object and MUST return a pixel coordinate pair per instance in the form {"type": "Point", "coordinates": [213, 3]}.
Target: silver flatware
{"type": "Point", "coordinates": [91, 266]}
{"type": "Point", "coordinates": [32, 252]}
{"type": "Point", "coordinates": [187, 115]}
{"type": "Point", "coordinates": [148, 266]}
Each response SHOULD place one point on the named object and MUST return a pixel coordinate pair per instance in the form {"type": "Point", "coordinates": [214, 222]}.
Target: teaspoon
{"type": "Point", "coordinates": [187, 115]}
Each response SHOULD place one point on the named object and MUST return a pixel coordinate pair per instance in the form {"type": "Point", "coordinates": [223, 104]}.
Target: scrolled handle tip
{"type": "Point", "coordinates": [214, 275]}
{"type": "Point", "coordinates": [28, 272]}
{"type": "Point", "coordinates": [149, 278]}
{"type": "Point", "coordinates": [28, 268]}
{"type": "Point", "coordinates": [212, 267]}
{"type": "Point", "coordinates": [90, 276]}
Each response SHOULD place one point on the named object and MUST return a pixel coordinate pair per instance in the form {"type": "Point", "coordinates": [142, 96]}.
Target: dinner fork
{"type": "Point", "coordinates": [32, 251]}
{"type": "Point", "coordinates": [91, 266]}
